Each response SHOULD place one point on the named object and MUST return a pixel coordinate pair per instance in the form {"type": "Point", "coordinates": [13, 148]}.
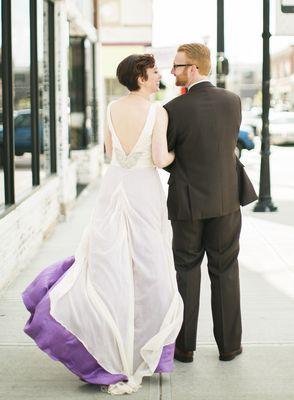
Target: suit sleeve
{"type": "Point", "coordinates": [240, 111]}
{"type": "Point", "coordinates": [171, 130]}
{"type": "Point", "coordinates": [171, 137]}
{"type": "Point", "coordinates": [238, 162]}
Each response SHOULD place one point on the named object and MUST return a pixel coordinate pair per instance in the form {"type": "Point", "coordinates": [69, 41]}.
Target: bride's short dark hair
{"type": "Point", "coordinates": [133, 67]}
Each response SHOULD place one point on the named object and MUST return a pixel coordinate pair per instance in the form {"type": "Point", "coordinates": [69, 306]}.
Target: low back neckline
{"type": "Point", "coordinates": [139, 136]}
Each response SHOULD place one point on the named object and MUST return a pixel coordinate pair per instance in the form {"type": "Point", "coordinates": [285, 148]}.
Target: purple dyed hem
{"type": "Point", "coordinates": [60, 344]}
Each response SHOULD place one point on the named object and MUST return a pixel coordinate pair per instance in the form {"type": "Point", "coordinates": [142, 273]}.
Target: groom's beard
{"type": "Point", "coordinates": [181, 80]}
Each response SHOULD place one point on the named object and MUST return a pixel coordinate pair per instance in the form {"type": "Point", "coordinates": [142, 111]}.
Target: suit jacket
{"type": "Point", "coordinates": [203, 130]}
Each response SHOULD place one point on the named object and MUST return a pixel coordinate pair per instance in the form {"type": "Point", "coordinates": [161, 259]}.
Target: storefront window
{"type": "Point", "coordinates": [79, 138]}
{"type": "Point", "coordinates": [48, 100]}
{"type": "Point", "coordinates": [83, 109]}
{"type": "Point", "coordinates": [89, 90]}
{"type": "Point", "coordinates": [27, 97]}
{"type": "Point", "coordinates": [22, 98]}
{"type": "Point", "coordinates": [44, 142]}
{"type": "Point", "coordinates": [94, 95]}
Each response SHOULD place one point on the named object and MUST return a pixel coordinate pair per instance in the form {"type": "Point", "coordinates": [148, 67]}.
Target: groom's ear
{"type": "Point", "coordinates": [194, 68]}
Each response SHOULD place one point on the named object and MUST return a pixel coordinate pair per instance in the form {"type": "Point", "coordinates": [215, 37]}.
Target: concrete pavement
{"type": "Point", "coordinates": [265, 371]}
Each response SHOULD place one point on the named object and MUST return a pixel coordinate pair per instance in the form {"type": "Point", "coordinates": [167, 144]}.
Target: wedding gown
{"type": "Point", "coordinates": [112, 312]}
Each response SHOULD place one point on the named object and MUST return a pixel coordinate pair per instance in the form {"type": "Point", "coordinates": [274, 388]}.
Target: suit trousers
{"type": "Point", "coordinates": [219, 239]}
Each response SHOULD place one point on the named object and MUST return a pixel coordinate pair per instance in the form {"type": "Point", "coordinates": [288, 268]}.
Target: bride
{"type": "Point", "coordinates": [111, 313]}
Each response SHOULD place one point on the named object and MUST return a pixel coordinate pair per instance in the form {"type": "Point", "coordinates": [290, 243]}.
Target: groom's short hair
{"type": "Point", "coordinates": [133, 67]}
{"type": "Point", "coordinates": [199, 54]}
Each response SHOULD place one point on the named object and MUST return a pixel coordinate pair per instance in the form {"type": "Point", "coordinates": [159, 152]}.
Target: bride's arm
{"type": "Point", "coordinates": [108, 142]}
{"type": "Point", "coordinates": [160, 154]}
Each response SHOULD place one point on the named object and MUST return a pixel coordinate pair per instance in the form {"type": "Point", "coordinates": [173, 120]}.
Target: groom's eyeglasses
{"type": "Point", "coordinates": [182, 65]}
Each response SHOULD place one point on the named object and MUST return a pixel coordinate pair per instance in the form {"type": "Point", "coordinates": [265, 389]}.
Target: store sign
{"type": "Point", "coordinates": [284, 18]}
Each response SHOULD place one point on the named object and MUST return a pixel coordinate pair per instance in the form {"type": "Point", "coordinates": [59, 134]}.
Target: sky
{"type": "Point", "coordinates": [185, 21]}
{"type": "Point", "coordinates": [182, 21]}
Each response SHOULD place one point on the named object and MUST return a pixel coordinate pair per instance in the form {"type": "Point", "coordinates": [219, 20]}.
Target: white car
{"type": "Point", "coordinates": [281, 127]}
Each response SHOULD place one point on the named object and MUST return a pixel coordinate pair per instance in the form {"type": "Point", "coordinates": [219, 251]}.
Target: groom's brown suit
{"type": "Point", "coordinates": [204, 207]}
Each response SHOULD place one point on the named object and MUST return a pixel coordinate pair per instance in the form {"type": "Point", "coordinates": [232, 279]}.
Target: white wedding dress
{"type": "Point", "coordinates": [119, 298]}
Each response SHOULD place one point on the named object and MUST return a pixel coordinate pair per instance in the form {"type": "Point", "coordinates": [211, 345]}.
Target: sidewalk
{"type": "Point", "coordinates": [265, 371]}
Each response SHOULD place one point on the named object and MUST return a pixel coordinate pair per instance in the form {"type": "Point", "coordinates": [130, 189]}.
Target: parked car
{"type": "Point", "coordinates": [22, 129]}
{"type": "Point", "coordinates": [252, 118]}
{"type": "Point", "coordinates": [245, 139]}
{"type": "Point", "coordinates": [281, 127]}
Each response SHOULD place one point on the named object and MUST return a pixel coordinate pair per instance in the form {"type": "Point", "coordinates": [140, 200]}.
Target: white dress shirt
{"type": "Point", "coordinates": [196, 83]}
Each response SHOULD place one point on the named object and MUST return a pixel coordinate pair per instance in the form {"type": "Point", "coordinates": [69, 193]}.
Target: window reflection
{"type": "Point", "coordinates": [81, 92]}
{"type": "Point", "coordinates": [44, 147]}
{"type": "Point", "coordinates": [22, 103]}
{"type": "Point", "coordinates": [89, 91]}
{"type": "Point", "coordinates": [79, 138]}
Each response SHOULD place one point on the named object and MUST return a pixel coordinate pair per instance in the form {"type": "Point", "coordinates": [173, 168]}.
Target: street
{"type": "Point", "coordinates": [282, 171]}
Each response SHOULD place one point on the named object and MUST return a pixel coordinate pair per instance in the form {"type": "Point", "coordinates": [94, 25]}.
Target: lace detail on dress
{"type": "Point", "coordinates": [127, 161]}
{"type": "Point", "coordinates": [141, 153]}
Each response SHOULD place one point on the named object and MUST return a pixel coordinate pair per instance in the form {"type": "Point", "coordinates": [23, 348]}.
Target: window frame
{"type": "Point", "coordinates": [8, 99]}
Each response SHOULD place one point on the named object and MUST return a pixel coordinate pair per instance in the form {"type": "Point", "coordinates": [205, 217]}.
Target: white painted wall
{"type": "Point", "coordinates": [24, 228]}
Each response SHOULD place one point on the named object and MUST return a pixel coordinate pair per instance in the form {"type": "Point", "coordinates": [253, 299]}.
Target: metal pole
{"type": "Point", "coordinates": [94, 95]}
{"type": "Point", "coordinates": [51, 38]}
{"type": "Point", "coordinates": [34, 83]}
{"type": "Point", "coordinates": [220, 78]}
{"type": "Point", "coordinates": [265, 201]}
{"type": "Point", "coordinates": [7, 91]}
{"type": "Point", "coordinates": [94, 67]}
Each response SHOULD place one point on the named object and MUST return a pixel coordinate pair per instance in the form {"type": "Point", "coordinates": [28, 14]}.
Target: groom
{"type": "Point", "coordinates": [204, 199]}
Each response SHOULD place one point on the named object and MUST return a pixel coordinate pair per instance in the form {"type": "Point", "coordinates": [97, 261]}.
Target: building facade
{"type": "Point", "coordinates": [50, 140]}
{"type": "Point", "coordinates": [246, 81]}
{"type": "Point", "coordinates": [282, 82]}
{"type": "Point", "coordinates": [126, 28]}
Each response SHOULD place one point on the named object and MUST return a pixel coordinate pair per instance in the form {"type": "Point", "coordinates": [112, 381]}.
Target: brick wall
{"type": "Point", "coordinates": [24, 228]}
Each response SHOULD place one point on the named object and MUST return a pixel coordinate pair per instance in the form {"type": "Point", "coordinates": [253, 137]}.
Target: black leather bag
{"type": "Point", "coordinates": [247, 193]}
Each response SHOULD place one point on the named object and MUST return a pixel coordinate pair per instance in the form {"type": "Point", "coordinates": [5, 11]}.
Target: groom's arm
{"type": "Point", "coordinates": [171, 136]}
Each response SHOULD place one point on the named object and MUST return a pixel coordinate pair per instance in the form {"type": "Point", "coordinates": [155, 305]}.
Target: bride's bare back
{"type": "Point", "coordinates": [128, 116]}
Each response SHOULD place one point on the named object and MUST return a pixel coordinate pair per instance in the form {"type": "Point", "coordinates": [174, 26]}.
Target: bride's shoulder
{"type": "Point", "coordinates": [115, 101]}
{"type": "Point", "coordinates": [160, 110]}
{"type": "Point", "coordinates": [116, 104]}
